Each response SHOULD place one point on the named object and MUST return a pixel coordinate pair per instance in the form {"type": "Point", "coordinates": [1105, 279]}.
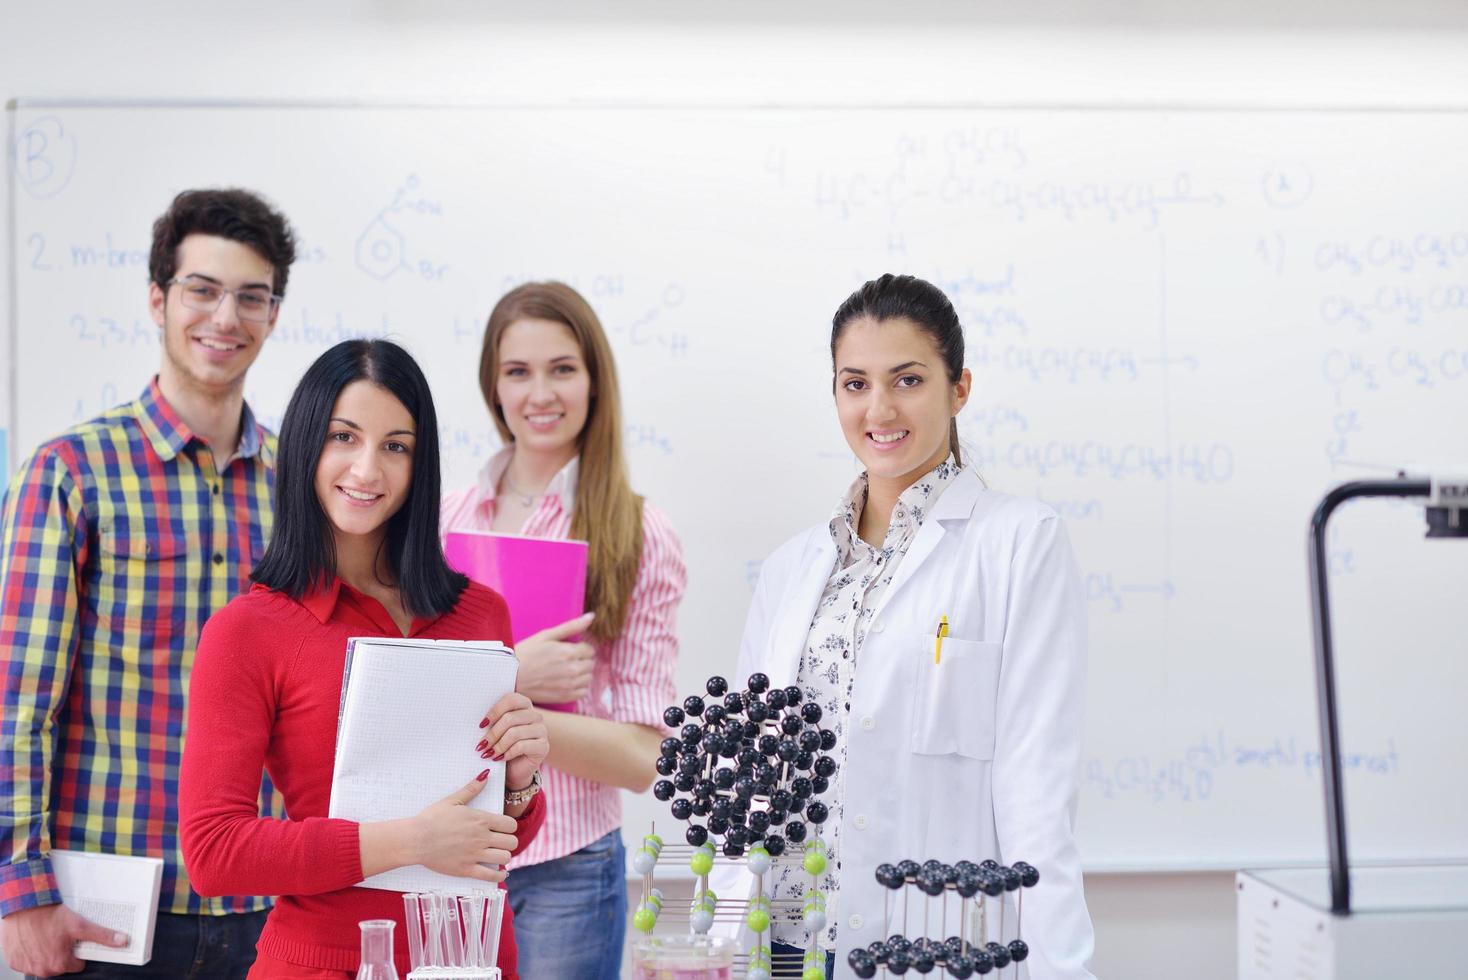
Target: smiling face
{"type": "Point", "coordinates": [543, 387]}
{"type": "Point", "coordinates": [366, 468]}
{"type": "Point", "coordinates": [210, 352]}
{"type": "Point", "coordinates": [894, 399]}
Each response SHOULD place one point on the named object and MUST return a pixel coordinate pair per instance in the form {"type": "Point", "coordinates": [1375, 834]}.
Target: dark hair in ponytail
{"type": "Point", "coordinates": [920, 303]}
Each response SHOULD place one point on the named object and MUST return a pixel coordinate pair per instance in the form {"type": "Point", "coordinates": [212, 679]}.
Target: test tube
{"type": "Point", "coordinates": [471, 912]}
{"type": "Point", "coordinates": [433, 951]}
{"type": "Point", "coordinates": [494, 910]}
{"type": "Point", "coordinates": [455, 945]}
{"type": "Point", "coordinates": [413, 919]}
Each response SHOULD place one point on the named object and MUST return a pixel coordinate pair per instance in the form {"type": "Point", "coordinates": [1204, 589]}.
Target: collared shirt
{"type": "Point", "coordinates": [632, 680]}
{"type": "Point", "coordinates": [266, 693]}
{"type": "Point", "coordinates": [859, 580]}
{"type": "Point", "coordinates": [119, 539]}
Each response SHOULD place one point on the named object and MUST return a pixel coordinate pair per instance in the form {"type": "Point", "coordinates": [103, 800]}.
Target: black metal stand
{"type": "Point", "coordinates": [1330, 745]}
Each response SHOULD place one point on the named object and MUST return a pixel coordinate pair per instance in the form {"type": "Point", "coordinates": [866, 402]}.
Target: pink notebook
{"type": "Point", "coordinates": [542, 579]}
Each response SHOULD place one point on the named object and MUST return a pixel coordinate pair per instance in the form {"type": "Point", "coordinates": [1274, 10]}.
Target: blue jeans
{"type": "Point", "coordinates": [191, 947]}
{"type": "Point", "coordinates": [796, 955]}
{"type": "Point", "coordinates": [571, 913]}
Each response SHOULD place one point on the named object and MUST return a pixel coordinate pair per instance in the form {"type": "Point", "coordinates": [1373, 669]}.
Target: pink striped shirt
{"type": "Point", "coordinates": [633, 679]}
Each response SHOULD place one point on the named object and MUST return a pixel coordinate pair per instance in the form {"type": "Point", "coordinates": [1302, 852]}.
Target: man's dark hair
{"type": "Point", "coordinates": [302, 552]}
{"type": "Point", "coordinates": [228, 212]}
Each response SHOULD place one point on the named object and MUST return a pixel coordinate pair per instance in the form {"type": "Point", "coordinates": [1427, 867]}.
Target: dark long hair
{"type": "Point", "coordinates": [302, 552]}
{"type": "Point", "coordinates": [921, 304]}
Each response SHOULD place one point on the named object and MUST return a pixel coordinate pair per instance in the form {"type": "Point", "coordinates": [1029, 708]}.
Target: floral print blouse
{"type": "Point", "coordinates": [858, 581]}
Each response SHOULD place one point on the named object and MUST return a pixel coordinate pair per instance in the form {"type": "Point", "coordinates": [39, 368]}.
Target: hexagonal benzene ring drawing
{"type": "Point", "coordinates": [380, 249]}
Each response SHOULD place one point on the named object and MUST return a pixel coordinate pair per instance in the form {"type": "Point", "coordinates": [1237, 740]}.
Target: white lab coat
{"type": "Point", "coordinates": [973, 757]}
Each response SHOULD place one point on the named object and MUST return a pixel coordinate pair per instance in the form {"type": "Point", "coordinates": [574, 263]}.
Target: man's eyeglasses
{"type": "Point", "coordinates": [253, 304]}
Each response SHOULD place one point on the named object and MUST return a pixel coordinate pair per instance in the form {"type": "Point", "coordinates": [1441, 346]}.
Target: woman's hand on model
{"type": "Point", "coordinates": [515, 733]}
{"type": "Point", "coordinates": [554, 668]}
{"type": "Point", "coordinates": [453, 838]}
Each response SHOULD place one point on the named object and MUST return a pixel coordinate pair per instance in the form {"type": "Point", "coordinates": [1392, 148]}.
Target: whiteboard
{"type": "Point", "coordinates": [1183, 327]}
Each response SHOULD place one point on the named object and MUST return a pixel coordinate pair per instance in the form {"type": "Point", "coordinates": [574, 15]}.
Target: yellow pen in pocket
{"type": "Point", "coordinates": [938, 635]}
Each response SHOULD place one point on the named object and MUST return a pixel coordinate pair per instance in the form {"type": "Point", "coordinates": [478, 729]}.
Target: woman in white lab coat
{"type": "Point", "coordinates": [963, 751]}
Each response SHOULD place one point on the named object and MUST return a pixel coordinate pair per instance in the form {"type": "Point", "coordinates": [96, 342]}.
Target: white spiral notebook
{"type": "Point", "coordinates": [406, 732]}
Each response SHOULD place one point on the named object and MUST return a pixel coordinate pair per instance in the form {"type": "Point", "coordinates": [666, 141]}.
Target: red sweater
{"type": "Point", "coordinates": [264, 693]}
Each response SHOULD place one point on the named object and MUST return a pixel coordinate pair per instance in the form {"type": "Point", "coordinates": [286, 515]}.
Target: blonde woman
{"type": "Point", "coordinates": [548, 377]}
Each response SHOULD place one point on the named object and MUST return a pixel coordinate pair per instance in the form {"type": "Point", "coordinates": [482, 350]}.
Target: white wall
{"type": "Point", "coordinates": [1042, 52]}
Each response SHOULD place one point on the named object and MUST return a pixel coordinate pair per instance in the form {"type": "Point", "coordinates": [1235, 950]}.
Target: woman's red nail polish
{"type": "Point", "coordinates": [485, 754]}
{"type": "Point", "coordinates": [484, 723]}
{"type": "Point", "coordinates": [497, 757]}
{"type": "Point", "coordinates": [483, 744]}
{"type": "Point", "coordinates": [483, 776]}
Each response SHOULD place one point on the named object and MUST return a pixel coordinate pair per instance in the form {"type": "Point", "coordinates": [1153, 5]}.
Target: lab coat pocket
{"type": "Point", "coordinates": [956, 699]}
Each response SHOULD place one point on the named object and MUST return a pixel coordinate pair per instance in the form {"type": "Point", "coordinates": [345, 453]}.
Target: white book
{"type": "Point", "coordinates": [405, 738]}
{"type": "Point", "coordinates": [116, 892]}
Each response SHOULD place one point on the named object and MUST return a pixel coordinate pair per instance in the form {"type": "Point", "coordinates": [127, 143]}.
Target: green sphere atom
{"type": "Point", "coordinates": [644, 919]}
{"type": "Point", "coordinates": [701, 863]}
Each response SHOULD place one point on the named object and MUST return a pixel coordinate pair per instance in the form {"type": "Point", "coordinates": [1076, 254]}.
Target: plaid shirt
{"type": "Point", "coordinates": [119, 539]}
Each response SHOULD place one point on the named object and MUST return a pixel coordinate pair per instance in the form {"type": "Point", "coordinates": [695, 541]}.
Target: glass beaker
{"type": "Point", "coordinates": [683, 958]}
{"type": "Point", "coordinates": [377, 961]}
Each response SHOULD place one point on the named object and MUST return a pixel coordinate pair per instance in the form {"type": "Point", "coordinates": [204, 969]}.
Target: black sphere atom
{"type": "Point", "coordinates": [909, 869]}
{"type": "Point", "coordinates": [981, 960]}
{"type": "Point", "coordinates": [862, 963]}
{"type": "Point", "coordinates": [776, 700]}
{"type": "Point", "coordinates": [663, 790]}
{"type": "Point", "coordinates": [793, 696]}
{"type": "Point", "coordinates": [696, 835]}
{"type": "Point", "coordinates": [775, 845]}
{"type": "Point", "coordinates": [665, 766]}
{"type": "Point", "coordinates": [670, 748]}
{"type": "Point", "coordinates": [960, 967]}
{"type": "Point", "coordinates": [732, 849]}
{"type": "Point", "coordinates": [1012, 879]}
{"type": "Point", "coordinates": [898, 961]}
{"type": "Point", "coordinates": [693, 704]}
{"type": "Point", "coordinates": [819, 784]}
{"type": "Point", "coordinates": [682, 809]}
{"type": "Point", "coordinates": [734, 703]}
{"type": "Point", "coordinates": [826, 766]}
{"type": "Point", "coordinates": [1029, 875]}
{"type": "Point", "coordinates": [756, 711]}
{"type": "Point", "coordinates": [923, 962]}
{"type": "Point", "coordinates": [717, 686]}
{"type": "Point", "coordinates": [810, 712]}
{"type": "Point", "coordinates": [790, 725]}
{"type": "Point", "coordinates": [794, 831]}
{"type": "Point", "coordinates": [758, 683]}
{"type": "Point", "coordinates": [817, 813]}
{"type": "Point", "coordinates": [673, 717]}
{"type": "Point", "coordinates": [828, 740]}
{"type": "Point", "coordinates": [888, 876]}
{"type": "Point", "coordinates": [1018, 950]}
{"type": "Point", "coordinates": [879, 950]}
{"type": "Point", "coordinates": [999, 954]}
{"type": "Point", "coordinates": [684, 782]}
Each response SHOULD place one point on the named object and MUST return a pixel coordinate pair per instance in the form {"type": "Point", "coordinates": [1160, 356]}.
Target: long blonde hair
{"type": "Point", "coordinates": [607, 515]}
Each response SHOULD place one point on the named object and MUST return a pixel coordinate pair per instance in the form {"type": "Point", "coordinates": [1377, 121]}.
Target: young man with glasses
{"type": "Point", "coordinates": [119, 538]}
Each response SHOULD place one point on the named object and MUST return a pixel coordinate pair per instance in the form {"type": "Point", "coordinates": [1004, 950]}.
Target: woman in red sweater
{"type": "Point", "coordinates": [355, 552]}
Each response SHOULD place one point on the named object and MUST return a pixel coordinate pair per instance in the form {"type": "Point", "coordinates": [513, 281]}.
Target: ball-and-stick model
{"type": "Point", "coordinates": [957, 956]}
{"type": "Point", "coordinates": [745, 773]}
